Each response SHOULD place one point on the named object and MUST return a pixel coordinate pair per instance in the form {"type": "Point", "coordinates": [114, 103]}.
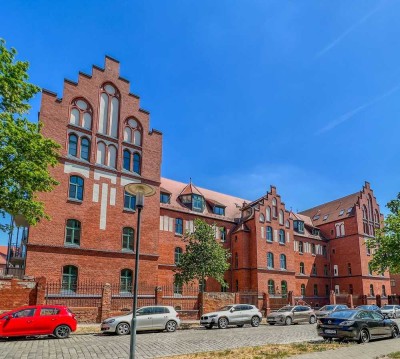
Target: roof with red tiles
{"type": "Point", "coordinates": [232, 204]}
{"type": "Point", "coordinates": [3, 254]}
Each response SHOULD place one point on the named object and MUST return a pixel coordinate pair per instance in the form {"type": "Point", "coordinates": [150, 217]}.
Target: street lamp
{"type": "Point", "coordinates": [140, 190]}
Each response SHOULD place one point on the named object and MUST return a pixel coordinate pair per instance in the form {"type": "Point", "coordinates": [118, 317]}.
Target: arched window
{"type": "Point", "coordinates": [370, 209]}
{"type": "Point", "coordinates": [177, 289]}
{"type": "Point", "coordinates": [316, 289]}
{"type": "Point", "coordinates": [287, 224]}
{"type": "Point", "coordinates": [342, 232]}
{"type": "Point", "coordinates": [370, 269]}
{"type": "Point", "coordinates": [178, 254]}
{"type": "Point", "coordinates": [109, 108]}
{"type": "Point", "coordinates": [75, 188]}
{"type": "Point", "coordinates": [269, 234]}
{"type": "Point", "coordinates": [112, 156]}
{"type": "Point", "coordinates": [281, 217]}
{"type": "Point", "coordinates": [133, 132]}
{"type": "Point", "coordinates": [377, 217]}
{"type": "Point", "coordinates": [270, 260]}
{"type": "Point", "coordinates": [136, 163]}
{"type": "Point", "coordinates": [101, 153]}
{"type": "Point", "coordinates": [69, 278]}
{"type": "Point", "coordinates": [127, 160]}
{"type": "Point", "coordinates": [303, 290]}
{"type": "Point", "coordinates": [274, 208]}
{"type": "Point", "coordinates": [81, 114]}
{"type": "Point", "coordinates": [284, 289]}
{"type": "Point", "coordinates": [126, 281]}
{"type": "Point", "coordinates": [300, 247]}
{"type": "Point", "coordinates": [73, 232]}
{"type": "Point", "coordinates": [312, 248]}
{"type": "Point", "coordinates": [73, 145]}
{"type": "Point", "coordinates": [128, 238]}
{"type": "Point", "coordinates": [281, 236]}
{"type": "Point", "coordinates": [283, 261]}
{"type": "Point", "coordinates": [271, 287]}
{"type": "Point", "coordinates": [314, 269]}
{"type": "Point", "coordinates": [85, 148]}
{"type": "Point", "coordinates": [261, 218]}
{"type": "Point", "coordinates": [268, 214]}
{"type": "Point", "coordinates": [301, 268]}
{"type": "Point", "coordinates": [371, 290]}
{"type": "Point", "coordinates": [365, 213]}
{"type": "Point", "coordinates": [236, 260]}
{"type": "Point", "coordinates": [383, 291]}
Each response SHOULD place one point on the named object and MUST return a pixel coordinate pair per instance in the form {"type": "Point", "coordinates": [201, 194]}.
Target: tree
{"type": "Point", "coordinates": [25, 155]}
{"type": "Point", "coordinates": [204, 257]}
{"type": "Point", "coordinates": [386, 244]}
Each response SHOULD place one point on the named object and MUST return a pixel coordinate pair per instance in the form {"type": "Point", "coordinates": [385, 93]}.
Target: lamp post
{"type": "Point", "coordinates": [140, 190]}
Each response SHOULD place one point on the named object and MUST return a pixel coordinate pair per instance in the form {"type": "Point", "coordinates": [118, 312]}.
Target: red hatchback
{"type": "Point", "coordinates": [54, 320]}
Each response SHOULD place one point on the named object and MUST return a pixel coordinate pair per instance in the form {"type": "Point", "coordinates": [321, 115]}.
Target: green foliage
{"type": "Point", "coordinates": [204, 256]}
{"type": "Point", "coordinates": [25, 154]}
{"type": "Point", "coordinates": [386, 243]}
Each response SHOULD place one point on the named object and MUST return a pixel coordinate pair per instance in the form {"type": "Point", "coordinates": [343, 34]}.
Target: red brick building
{"type": "Point", "coordinates": [106, 142]}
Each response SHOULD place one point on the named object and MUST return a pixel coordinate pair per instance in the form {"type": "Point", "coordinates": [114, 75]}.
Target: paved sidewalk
{"type": "Point", "coordinates": [373, 350]}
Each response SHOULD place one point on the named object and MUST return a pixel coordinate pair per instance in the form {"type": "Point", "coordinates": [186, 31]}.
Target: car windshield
{"type": "Point", "coordinates": [388, 307]}
{"type": "Point", "coordinates": [343, 314]}
{"type": "Point", "coordinates": [227, 307]}
{"type": "Point", "coordinates": [285, 309]}
{"type": "Point", "coordinates": [327, 308]}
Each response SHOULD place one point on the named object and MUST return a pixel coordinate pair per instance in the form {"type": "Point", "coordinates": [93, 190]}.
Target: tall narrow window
{"type": "Point", "coordinates": [261, 218]}
{"type": "Point", "coordinates": [69, 278]}
{"type": "Point", "coordinates": [178, 290]}
{"type": "Point", "coordinates": [284, 289]}
{"type": "Point", "coordinates": [178, 254]}
{"type": "Point", "coordinates": [383, 291]}
{"type": "Point", "coordinates": [270, 260]}
{"type": "Point", "coordinates": [326, 270]}
{"type": "Point", "coordinates": [223, 234]}
{"type": "Point", "coordinates": [127, 238]}
{"type": "Point", "coordinates": [112, 156]}
{"type": "Point", "coordinates": [133, 132]}
{"type": "Point", "coordinates": [179, 226]}
{"type": "Point", "coordinates": [349, 268]}
{"type": "Point", "coordinates": [126, 281]}
{"type": "Point", "coordinates": [81, 114]}
{"type": "Point", "coordinates": [236, 260]}
{"type": "Point", "coordinates": [101, 153]}
{"type": "Point", "coordinates": [283, 261]}
{"type": "Point", "coordinates": [371, 290]}
{"type": "Point", "coordinates": [274, 208]}
{"type": "Point", "coordinates": [109, 111]}
{"type": "Point", "coordinates": [301, 268]}
{"type": "Point", "coordinates": [73, 145]}
{"type": "Point", "coordinates": [300, 247]}
{"type": "Point", "coordinates": [281, 217]}
{"type": "Point", "coordinates": [127, 160]}
{"type": "Point", "coordinates": [271, 287]}
{"type": "Point", "coordinates": [129, 201]}
{"type": "Point", "coordinates": [75, 188]}
{"type": "Point", "coordinates": [73, 232]}
{"type": "Point", "coordinates": [316, 289]}
{"type": "Point", "coordinates": [281, 236]}
{"type": "Point", "coordinates": [136, 163]}
{"type": "Point", "coordinates": [303, 290]}
{"type": "Point", "coordinates": [85, 148]}
{"type": "Point", "coordinates": [268, 214]}
{"type": "Point", "coordinates": [314, 269]}
{"type": "Point", "coordinates": [312, 248]}
{"type": "Point", "coordinates": [269, 234]}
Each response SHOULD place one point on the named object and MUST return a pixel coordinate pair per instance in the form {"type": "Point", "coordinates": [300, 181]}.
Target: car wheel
{"type": "Point", "coordinates": [123, 329]}
{"type": "Point", "coordinates": [255, 321]}
{"type": "Point", "coordinates": [312, 320]}
{"type": "Point", "coordinates": [395, 332]}
{"type": "Point", "coordinates": [209, 326]}
{"type": "Point", "coordinates": [271, 323]}
{"type": "Point", "coordinates": [223, 323]}
{"type": "Point", "coordinates": [394, 316]}
{"type": "Point", "coordinates": [62, 331]}
{"type": "Point", "coordinates": [288, 321]}
{"type": "Point", "coordinates": [364, 336]}
{"type": "Point", "coordinates": [171, 326]}
{"type": "Point", "coordinates": [240, 325]}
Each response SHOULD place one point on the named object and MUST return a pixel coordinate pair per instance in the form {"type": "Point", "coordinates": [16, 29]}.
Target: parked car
{"type": "Point", "coordinates": [237, 314]}
{"type": "Point", "coordinates": [292, 314]}
{"type": "Point", "coordinates": [148, 318]}
{"type": "Point", "coordinates": [54, 320]}
{"type": "Point", "coordinates": [369, 307]}
{"type": "Point", "coordinates": [360, 325]}
{"type": "Point", "coordinates": [328, 309]}
{"type": "Point", "coordinates": [392, 311]}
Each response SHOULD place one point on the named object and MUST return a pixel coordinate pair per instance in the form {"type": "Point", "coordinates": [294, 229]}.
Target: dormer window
{"type": "Point", "coordinates": [315, 232]}
{"type": "Point", "coordinates": [341, 212]}
{"type": "Point", "coordinates": [164, 197]}
{"type": "Point", "coordinates": [197, 203]}
{"type": "Point", "coordinates": [219, 210]}
{"type": "Point", "coordinates": [298, 226]}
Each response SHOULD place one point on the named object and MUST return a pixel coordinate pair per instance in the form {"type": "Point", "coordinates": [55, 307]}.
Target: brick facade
{"type": "Point", "coordinates": [100, 108]}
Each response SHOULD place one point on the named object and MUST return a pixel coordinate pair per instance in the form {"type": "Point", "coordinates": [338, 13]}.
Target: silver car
{"type": "Point", "coordinates": [292, 314]}
{"type": "Point", "coordinates": [392, 311]}
{"type": "Point", "coordinates": [329, 309]}
{"type": "Point", "coordinates": [148, 318]}
{"type": "Point", "coordinates": [236, 314]}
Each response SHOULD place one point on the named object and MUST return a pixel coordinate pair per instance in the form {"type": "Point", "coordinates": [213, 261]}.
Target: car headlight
{"type": "Point", "coordinates": [213, 316]}
{"type": "Point", "coordinates": [347, 323]}
{"type": "Point", "coordinates": [109, 321]}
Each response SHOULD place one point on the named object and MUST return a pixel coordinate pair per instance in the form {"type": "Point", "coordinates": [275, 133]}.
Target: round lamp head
{"type": "Point", "coordinates": [140, 188]}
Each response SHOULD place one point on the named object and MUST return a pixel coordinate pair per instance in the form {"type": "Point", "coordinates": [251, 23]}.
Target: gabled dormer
{"type": "Point", "coordinates": [192, 198]}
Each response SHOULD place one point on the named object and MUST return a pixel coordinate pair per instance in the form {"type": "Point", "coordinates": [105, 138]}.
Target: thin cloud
{"type": "Point", "coordinates": [348, 115]}
{"type": "Point", "coordinates": [348, 31]}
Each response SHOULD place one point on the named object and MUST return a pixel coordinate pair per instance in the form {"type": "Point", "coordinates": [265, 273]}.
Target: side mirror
{"type": "Point", "coordinates": [7, 317]}
{"type": "Point", "coordinates": [232, 310]}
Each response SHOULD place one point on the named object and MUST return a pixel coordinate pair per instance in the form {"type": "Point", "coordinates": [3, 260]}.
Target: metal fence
{"type": "Point", "coordinates": [181, 298]}
{"type": "Point", "coordinates": [122, 297]}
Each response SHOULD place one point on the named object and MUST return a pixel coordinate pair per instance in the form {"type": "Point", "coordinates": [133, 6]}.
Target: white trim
{"type": "Point", "coordinates": [113, 194]}
{"type": "Point", "coordinates": [96, 191]}
{"type": "Point", "coordinates": [103, 207]}
{"type": "Point", "coordinates": [71, 167]}
{"type": "Point", "coordinates": [98, 174]}
{"type": "Point", "coordinates": [126, 180]}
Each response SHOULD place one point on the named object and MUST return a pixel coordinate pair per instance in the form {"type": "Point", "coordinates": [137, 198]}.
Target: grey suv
{"type": "Point", "coordinates": [292, 314]}
{"type": "Point", "coordinates": [329, 309]}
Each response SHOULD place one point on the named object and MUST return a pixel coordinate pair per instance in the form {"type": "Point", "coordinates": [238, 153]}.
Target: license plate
{"type": "Point", "coordinates": [330, 331]}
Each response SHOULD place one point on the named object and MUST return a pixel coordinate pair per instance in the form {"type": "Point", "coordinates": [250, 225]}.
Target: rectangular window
{"type": "Point", "coordinates": [219, 210]}
{"type": "Point", "coordinates": [164, 198]}
{"type": "Point", "coordinates": [298, 226]}
{"type": "Point", "coordinates": [179, 226]}
{"type": "Point", "coordinates": [223, 234]}
{"type": "Point", "coordinates": [129, 201]}
{"type": "Point", "coordinates": [197, 203]}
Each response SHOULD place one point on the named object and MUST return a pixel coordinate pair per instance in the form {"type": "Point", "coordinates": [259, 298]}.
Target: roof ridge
{"type": "Point", "coordinates": [326, 203]}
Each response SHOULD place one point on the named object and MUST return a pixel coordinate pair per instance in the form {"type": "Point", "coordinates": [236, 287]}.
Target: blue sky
{"type": "Point", "coordinates": [300, 94]}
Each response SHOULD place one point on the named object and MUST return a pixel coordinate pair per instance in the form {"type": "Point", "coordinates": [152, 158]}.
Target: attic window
{"type": "Point", "coordinates": [164, 197]}
{"type": "Point", "coordinates": [197, 203]}
{"type": "Point", "coordinates": [316, 217]}
{"type": "Point", "coordinates": [326, 217]}
{"type": "Point", "coordinates": [315, 232]}
{"type": "Point", "coordinates": [350, 209]}
{"type": "Point", "coordinates": [341, 212]}
{"type": "Point", "coordinates": [219, 210]}
{"type": "Point", "coordinates": [298, 226]}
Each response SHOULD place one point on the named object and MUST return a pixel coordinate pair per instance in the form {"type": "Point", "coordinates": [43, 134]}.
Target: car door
{"type": "Point", "coordinates": [47, 319]}
{"type": "Point", "coordinates": [144, 318]}
{"type": "Point", "coordinates": [247, 313]}
{"type": "Point", "coordinates": [235, 317]}
{"type": "Point", "coordinates": [384, 327]}
{"type": "Point", "coordinates": [298, 314]}
{"type": "Point", "coordinates": [372, 323]}
{"type": "Point", "coordinates": [20, 323]}
{"type": "Point", "coordinates": [160, 317]}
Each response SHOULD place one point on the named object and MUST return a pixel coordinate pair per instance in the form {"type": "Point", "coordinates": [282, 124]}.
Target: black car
{"type": "Point", "coordinates": [355, 324]}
